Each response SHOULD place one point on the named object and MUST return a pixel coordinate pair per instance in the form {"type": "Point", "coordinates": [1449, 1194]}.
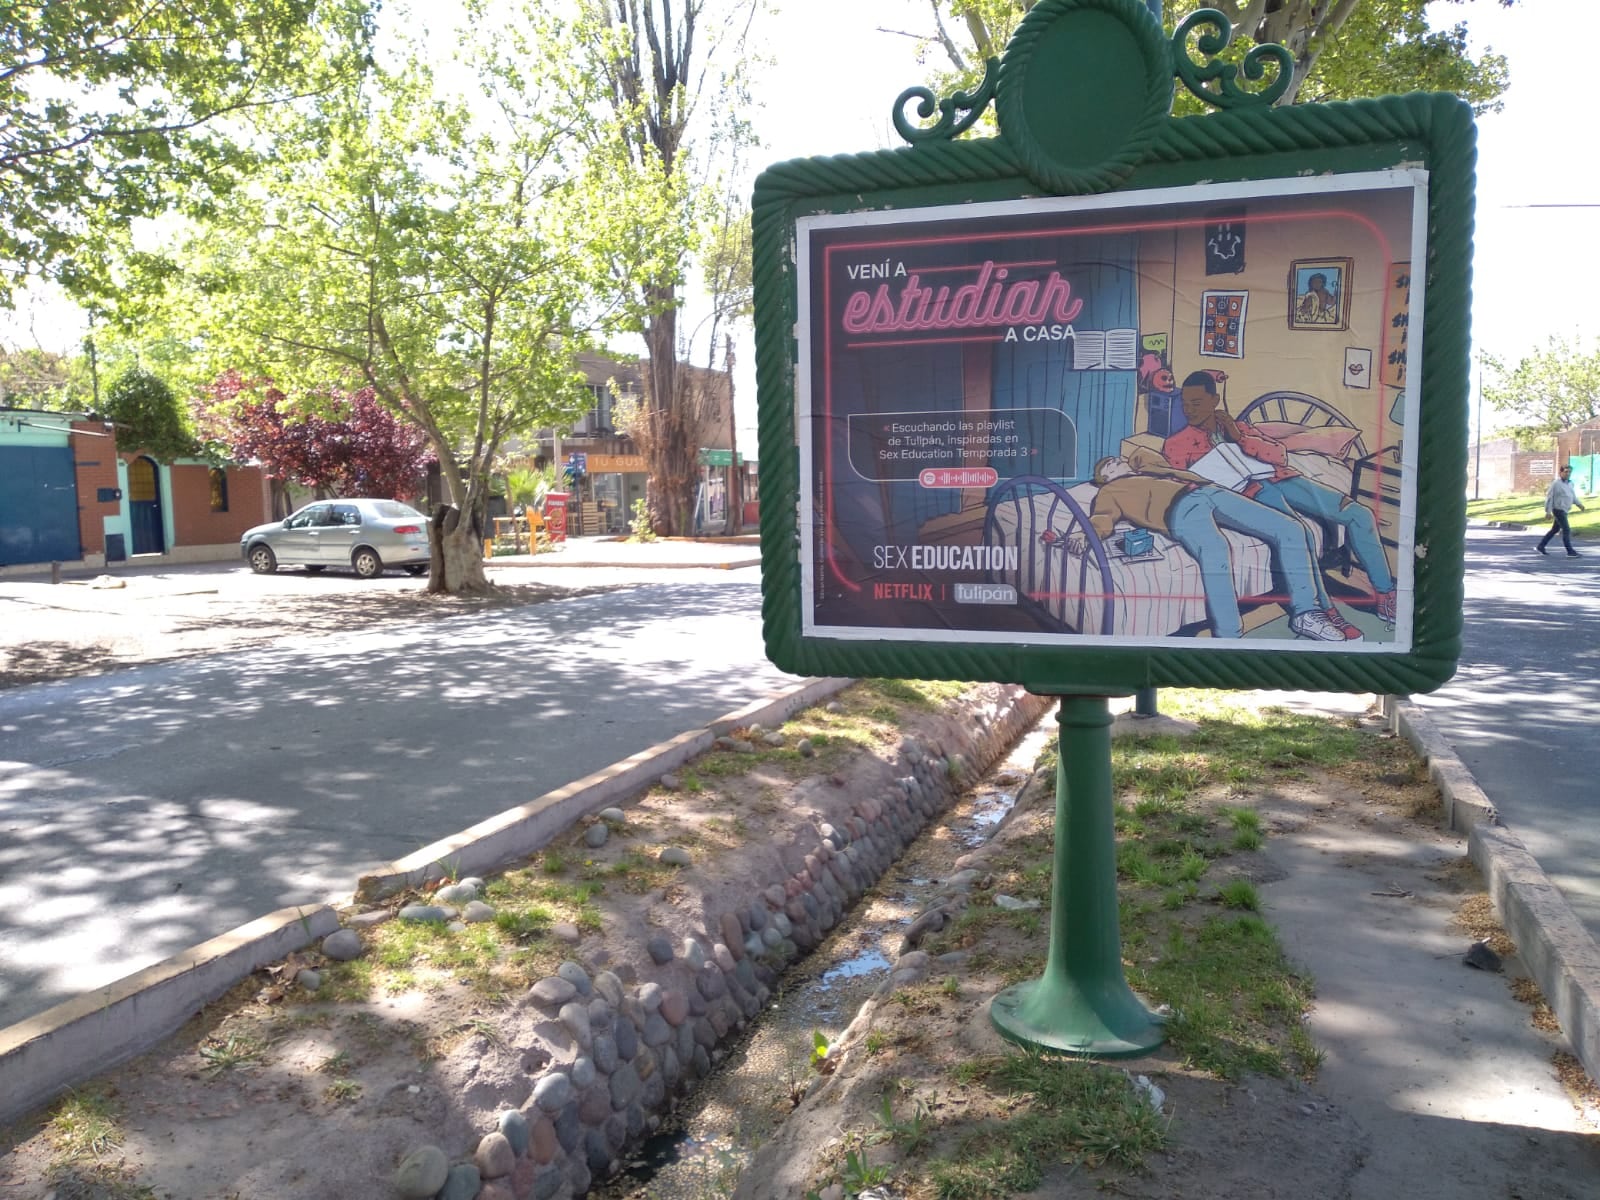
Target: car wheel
{"type": "Point", "coordinates": [417, 569]}
{"type": "Point", "coordinates": [315, 568]}
{"type": "Point", "coordinates": [262, 560]}
{"type": "Point", "coordinates": [367, 563]}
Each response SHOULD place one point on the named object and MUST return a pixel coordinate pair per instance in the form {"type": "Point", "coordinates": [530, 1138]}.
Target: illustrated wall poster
{"type": "Point", "coordinates": [1003, 438]}
{"type": "Point", "coordinates": [1222, 316]}
{"type": "Point", "coordinates": [1319, 294]}
{"type": "Point", "coordinates": [1357, 367]}
{"type": "Point", "coordinates": [1225, 243]}
{"type": "Point", "coordinates": [1394, 360]}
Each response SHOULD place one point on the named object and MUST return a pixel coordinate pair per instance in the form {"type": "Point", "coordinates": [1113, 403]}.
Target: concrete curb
{"type": "Point", "coordinates": [45, 1054]}
{"type": "Point", "coordinates": [1559, 951]}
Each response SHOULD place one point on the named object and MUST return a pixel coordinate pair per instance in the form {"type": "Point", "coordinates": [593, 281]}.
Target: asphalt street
{"type": "Point", "coordinates": [1523, 711]}
{"type": "Point", "coordinates": [148, 810]}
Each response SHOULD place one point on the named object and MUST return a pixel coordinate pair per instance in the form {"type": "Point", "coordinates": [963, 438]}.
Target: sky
{"type": "Point", "coordinates": [835, 71]}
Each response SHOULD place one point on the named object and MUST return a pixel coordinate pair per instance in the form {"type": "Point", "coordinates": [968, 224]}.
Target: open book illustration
{"type": "Point", "coordinates": [1228, 466]}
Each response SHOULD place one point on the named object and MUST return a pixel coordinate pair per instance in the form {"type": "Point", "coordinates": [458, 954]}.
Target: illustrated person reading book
{"type": "Point", "coordinates": [1272, 481]}
{"type": "Point", "coordinates": [1145, 491]}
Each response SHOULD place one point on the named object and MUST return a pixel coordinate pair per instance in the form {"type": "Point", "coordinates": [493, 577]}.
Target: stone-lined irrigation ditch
{"type": "Point", "coordinates": [344, 1071]}
{"type": "Point", "coordinates": [622, 1047]}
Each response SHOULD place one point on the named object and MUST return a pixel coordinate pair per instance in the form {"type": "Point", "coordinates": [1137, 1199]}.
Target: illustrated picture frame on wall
{"type": "Point", "coordinates": [1319, 293]}
{"type": "Point", "coordinates": [1222, 323]}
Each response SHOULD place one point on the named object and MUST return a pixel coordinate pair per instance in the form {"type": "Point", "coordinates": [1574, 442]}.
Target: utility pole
{"type": "Point", "coordinates": [1477, 466]}
{"type": "Point", "coordinates": [735, 523]}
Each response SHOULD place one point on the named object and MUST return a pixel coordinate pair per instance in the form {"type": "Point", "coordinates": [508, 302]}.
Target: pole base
{"type": "Point", "coordinates": [1061, 1017]}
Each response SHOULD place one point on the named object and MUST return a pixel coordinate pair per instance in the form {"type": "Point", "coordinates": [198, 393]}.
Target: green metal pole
{"type": "Point", "coordinates": [1082, 1004]}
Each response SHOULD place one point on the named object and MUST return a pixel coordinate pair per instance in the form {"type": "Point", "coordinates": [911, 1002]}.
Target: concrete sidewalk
{"type": "Point", "coordinates": [721, 554]}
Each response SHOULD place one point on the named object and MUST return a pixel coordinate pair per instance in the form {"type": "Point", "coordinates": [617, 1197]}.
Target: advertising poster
{"type": "Point", "coordinates": [1059, 421]}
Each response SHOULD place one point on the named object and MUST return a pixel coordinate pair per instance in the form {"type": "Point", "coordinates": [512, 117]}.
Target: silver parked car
{"type": "Point", "coordinates": [367, 536]}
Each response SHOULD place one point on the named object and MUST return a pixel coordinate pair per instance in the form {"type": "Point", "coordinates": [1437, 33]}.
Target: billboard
{"type": "Point", "coordinates": [1160, 418]}
{"type": "Point", "coordinates": [1113, 399]}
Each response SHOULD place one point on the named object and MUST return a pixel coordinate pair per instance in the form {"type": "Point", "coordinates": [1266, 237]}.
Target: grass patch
{"type": "Point", "coordinates": [1063, 1112]}
{"type": "Point", "coordinates": [1529, 511]}
{"type": "Point", "coordinates": [83, 1126]}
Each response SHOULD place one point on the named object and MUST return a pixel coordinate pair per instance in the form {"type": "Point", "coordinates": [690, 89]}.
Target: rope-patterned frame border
{"type": "Point", "coordinates": [1430, 130]}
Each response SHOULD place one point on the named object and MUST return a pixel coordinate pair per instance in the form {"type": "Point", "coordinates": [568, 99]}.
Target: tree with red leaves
{"type": "Point", "coordinates": [339, 443]}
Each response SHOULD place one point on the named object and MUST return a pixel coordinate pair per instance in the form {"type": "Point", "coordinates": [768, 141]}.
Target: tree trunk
{"type": "Point", "coordinates": [457, 564]}
{"type": "Point", "coordinates": [673, 468]}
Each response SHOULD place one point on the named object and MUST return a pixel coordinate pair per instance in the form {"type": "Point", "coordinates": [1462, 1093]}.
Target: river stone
{"type": "Point", "coordinates": [613, 814]}
{"type": "Point", "coordinates": [597, 1151]}
{"type": "Point", "coordinates": [551, 992]}
{"type": "Point", "coordinates": [366, 920]}
{"type": "Point", "coordinates": [773, 739]}
{"type": "Point", "coordinates": [753, 946]}
{"type": "Point", "coordinates": [745, 973]}
{"type": "Point", "coordinates": [732, 932]}
{"type": "Point", "coordinates": [627, 1039]}
{"type": "Point", "coordinates": [781, 922]}
{"type": "Point", "coordinates": [425, 912]}
{"type": "Point", "coordinates": [566, 931]}
{"type": "Point", "coordinates": [576, 976]}
{"type": "Point", "coordinates": [671, 1070]}
{"type": "Point", "coordinates": [605, 1053]}
{"type": "Point", "coordinates": [568, 1127]}
{"type": "Point", "coordinates": [553, 1092]}
{"type": "Point", "coordinates": [674, 1006]}
{"type": "Point", "coordinates": [624, 1085]}
{"type": "Point", "coordinates": [656, 1030]}
{"type": "Point", "coordinates": [720, 1024]}
{"type": "Point", "coordinates": [596, 835]}
{"type": "Point", "coordinates": [671, 782]}
{"type": "Point", "coordinates": [771, 938]}
{"type": "Point", "coordinates": [708, 980]}
{"type": "Point", "coordinates": [582, 1072]}
{"type": "Point", "coordinates": [601, 1017]}
{"type": "Point", "coordinates": [456, 893]}
{"type": "Point", "coordinates": [758, 916]}
{"type": "Point", "coordinates": [495, 1158]}
{"type": "Point", "coordinates": [725, 957]}
{"type": "Point", "coordinates": [694, 953]}
{"type": "Point", "coordinates": [477, 911]}
{"type": "Point", "coordinates": [575, 1017]}
{"type": "Point", "coordinates": [343, 945]}
{"type": "Point", "coordinates": [579, 1177]}
{"type": "Point", "coordinates": [610, 987]}
{"type": "Point", "coordinates": [422, 1173]}
{"type": "Point", "coordinates": [521, 1180]}
{"type": "Point", "coordinates": [650, 996]}
{"type": "Point", "coordinates": [497, 1189]}
{"type": "Point", "coordinates": [462, 1183]}
{"type": "Point", "coordinates": [702, 1062]}
{"type": "Point", "coordinates": [660, 950]}
{"type": "Point", "coordinates": [675, 856]}
{"type": "Point", "coordinates": [616, 1128]}
{"type": "Point", "coordinates": [309, 979]}
{"type": "Point", "coordinates": [457, 926]}
{"type": "Point", "coordinates": [547, 1182]}
{"type": "Point", "coordinates": [594, 1106]}
{"type": "Point", "coordinates": [515, 1126]}
{"type": "Point", "coordinates": [806, 749]}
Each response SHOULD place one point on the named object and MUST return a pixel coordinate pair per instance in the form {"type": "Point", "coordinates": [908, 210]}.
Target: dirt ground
{"type": "Point", "coordinates": [272, 1093]}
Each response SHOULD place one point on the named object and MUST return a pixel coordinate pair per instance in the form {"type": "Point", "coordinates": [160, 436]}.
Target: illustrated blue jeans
{"type": "Point", "coordinates": [1297, 494]}
{"type": "Point", "coordinates": [1197, 519]}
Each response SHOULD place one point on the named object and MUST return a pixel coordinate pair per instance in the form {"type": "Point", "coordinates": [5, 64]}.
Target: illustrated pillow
{"type": "Point", "coordinates": [1332, 440]}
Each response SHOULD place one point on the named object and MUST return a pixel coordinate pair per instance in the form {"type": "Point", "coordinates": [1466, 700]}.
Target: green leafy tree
{"type": "Point", "coordinates": [1547, 391]}
{"type": "Point", "coordinates": [113, 109]}
{"type": "Point", "coordinates": [675, 88]}
{"type": "Point", "coordinates": [148, 416]}
{"type": "Point", "coordinates": [1342, 49]}
{"type": "Point", "coordinates": [443, 254]}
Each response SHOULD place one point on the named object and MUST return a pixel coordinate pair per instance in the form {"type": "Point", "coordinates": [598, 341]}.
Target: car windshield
{"type": "Point", "coordinates": [393, 508]}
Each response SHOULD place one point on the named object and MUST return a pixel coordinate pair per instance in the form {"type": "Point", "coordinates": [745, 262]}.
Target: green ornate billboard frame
{"type": "Point", "coordinates": [1109, 60]}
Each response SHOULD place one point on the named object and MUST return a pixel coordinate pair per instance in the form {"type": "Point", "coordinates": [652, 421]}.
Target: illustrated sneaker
{"type": "Point", "coordinates": [1386, 606]}
{"type": "Point", "coordinates": [1351, 633]}
{"type": "Point", "coordinates": [1314, 625]}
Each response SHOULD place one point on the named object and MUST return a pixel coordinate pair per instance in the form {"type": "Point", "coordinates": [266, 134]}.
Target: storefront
{"type": "Point", "coordinates": [614, 482]}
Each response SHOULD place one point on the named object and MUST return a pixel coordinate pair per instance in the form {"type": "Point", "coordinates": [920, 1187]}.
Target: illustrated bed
{"type": "Point", "coordinates": [1120, 586]}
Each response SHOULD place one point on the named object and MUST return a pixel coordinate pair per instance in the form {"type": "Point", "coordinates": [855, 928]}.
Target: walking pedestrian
{"type": "Point", "coordinates": [1557, 500]}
